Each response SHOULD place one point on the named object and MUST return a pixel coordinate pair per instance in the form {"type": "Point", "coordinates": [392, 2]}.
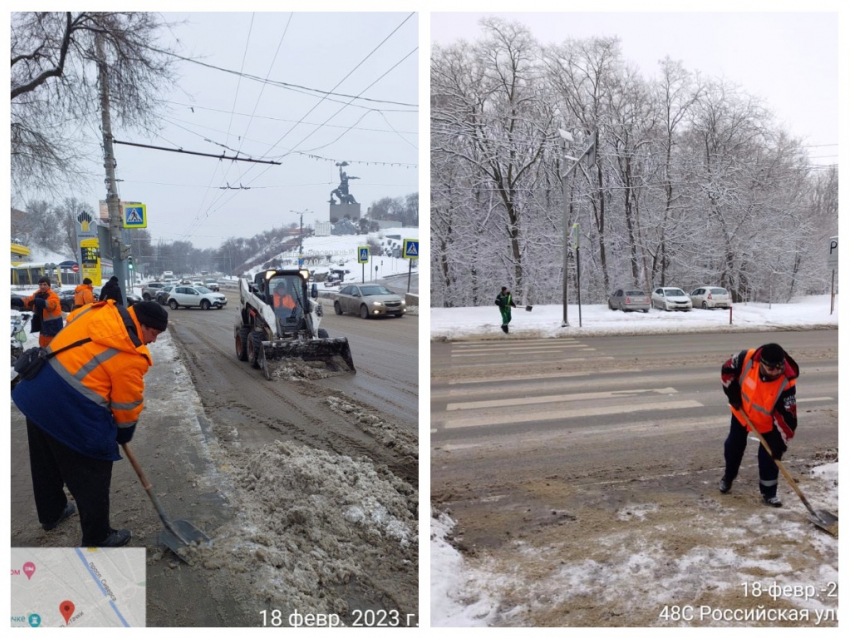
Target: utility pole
{"type": "Point", "coordinates": [300, 235]}
{"type": "Point", "coordinates": [113, 203]}
{"type": "Point", "coordinates": [590, 152]}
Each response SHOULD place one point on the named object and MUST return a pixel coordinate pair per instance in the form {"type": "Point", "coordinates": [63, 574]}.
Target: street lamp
{"type": "Point", "coordinates": [590, 152]}
{"type": "Point", "coordinates": [301, 235]}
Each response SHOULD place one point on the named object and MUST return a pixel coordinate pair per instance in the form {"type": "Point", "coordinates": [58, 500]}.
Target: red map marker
{"type": "Point", "coordinates": [66, 608]}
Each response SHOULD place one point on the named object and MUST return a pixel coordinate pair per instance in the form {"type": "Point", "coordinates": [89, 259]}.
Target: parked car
{"type": "Point", "coordinates": [711, 297]}
{"type": "Point", "coordinates": [671, 299]}
{"type": "Point", "coordinates": [66, 299]}
{"type": "Point", "coordinates": [163, 293]}
{"type": "Point", "coordinates": [131, 297]}
{"type": "Point", "coordinates": [629, 300]}
{"type": "Point", "coordinates": [150, 289]}
{"type": "Point", "coordinates": [369, 300]}
{"type": "Point", "coordinates": [212, 284]}
{"type": "Point", "coordinates": [195, 296]}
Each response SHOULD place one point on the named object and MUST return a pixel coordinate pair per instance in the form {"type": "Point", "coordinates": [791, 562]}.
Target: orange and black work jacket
{"type": "Point", "coordinates": [51, 315]}
{"type": "Point", "coordinates": [90, 396]}
{"type": "Point", "coordinates": [83, 294]}
{"type": "Point", "coordinates": [768, 404]}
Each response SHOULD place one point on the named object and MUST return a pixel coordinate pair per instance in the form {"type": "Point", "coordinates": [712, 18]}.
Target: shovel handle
{"type": "Point", "coordinates": [780, 465]}
{"type": "Point", "coordinates": [149, 489]}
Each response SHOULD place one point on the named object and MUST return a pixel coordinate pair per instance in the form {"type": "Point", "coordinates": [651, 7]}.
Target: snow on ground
{"type": "Point", "coordinates": [631, 575]}
{"type": "Point", "coordinates": [451, 324]}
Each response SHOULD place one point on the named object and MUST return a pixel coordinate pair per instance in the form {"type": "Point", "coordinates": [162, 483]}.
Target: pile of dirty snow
{"type": "Point", "coordinates": [312, 522]}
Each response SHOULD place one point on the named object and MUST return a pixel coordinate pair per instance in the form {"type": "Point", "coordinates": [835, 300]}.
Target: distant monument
{"type": "Point", "coordinates": [341, 191]}
{"type": "Point", "coordinates": [348, 207]}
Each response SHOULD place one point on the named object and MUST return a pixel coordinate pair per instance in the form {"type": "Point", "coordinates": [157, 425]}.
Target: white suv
{"type": "Point", "coordinates": [195, 296]}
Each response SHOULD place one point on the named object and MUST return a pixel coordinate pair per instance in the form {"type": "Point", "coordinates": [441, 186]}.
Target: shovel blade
{"type": "Point", "coordinates": [827, 521]}
{"type": "Point", "coordinates": [184, 534]}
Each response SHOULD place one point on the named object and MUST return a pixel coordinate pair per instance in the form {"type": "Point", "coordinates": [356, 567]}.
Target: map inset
{"type": "Point", "coordinates": [78, 587]}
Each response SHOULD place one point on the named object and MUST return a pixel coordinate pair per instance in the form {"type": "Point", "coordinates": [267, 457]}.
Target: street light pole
{"type": "Point", "coordinates": [300, 235]}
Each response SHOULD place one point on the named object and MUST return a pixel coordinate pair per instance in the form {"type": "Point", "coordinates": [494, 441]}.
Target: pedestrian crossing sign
{"type": "Point", "coordinates": [411, 249]}
{"type": "Point", "coordinates": [362, 254]}
{"type": "Point", "coordinates": [135, 215]}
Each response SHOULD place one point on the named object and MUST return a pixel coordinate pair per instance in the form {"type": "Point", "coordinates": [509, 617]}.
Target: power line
{"type": "Point", "coordinates": [180, 150]}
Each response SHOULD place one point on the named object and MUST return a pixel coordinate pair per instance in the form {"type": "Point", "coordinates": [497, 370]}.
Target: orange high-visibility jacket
{"type": "Point", "coordinates": [85, 394]}
{"type": "Point", "coordinates": [53, 309]}
{"type": "Point", "coordinates": [758, 398]}
{"type": "Point", "coordinates": [284, 301]}
{"type": "Point", "coordinates": [83, 294]}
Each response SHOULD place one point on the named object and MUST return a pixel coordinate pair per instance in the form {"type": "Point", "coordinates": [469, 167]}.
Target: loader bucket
{"type": "Point", "coordinates": [336, 353]}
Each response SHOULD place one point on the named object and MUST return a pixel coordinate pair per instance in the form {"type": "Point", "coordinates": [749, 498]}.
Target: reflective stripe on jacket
{"type": "Point", "coordinates": [83, 395]}
{"type": "Point", "coordinates": [83, 294]}
{"type": "Point", "coordinates": [758, 398]}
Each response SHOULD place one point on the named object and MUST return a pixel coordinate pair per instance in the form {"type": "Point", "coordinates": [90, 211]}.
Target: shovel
{"type": "Point", "coordinates": [177, 535]}
{"type": "Point", "coordinates": [827, 521]}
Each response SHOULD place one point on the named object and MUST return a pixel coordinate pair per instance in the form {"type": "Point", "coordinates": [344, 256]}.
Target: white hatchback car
{"type": "Point", "coordinates": [671, 299]}
{"type": "Point", "coordinates": [195, 296]}
{"type": "Point", "coordinates": [706, 297]}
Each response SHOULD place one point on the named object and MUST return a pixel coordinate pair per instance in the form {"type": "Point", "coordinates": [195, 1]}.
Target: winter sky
{"type": "Point", "coordinates": [201, 199]}
{"type": "Point", "coordinates": [788, 59]}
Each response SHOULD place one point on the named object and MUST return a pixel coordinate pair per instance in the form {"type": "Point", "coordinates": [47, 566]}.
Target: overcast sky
{"type": "Point", "coordinates": [213, 109]}
{"type": "Point", "coordinates": [788, 59]}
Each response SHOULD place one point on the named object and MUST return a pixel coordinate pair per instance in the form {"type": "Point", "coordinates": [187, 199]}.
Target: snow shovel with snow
{"type": "Point", "coordinates": [177, 535]}
{"type": "Point", "coordinates": [827, 521]}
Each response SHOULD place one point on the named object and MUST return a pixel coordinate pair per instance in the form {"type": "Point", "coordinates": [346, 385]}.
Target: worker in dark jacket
{"type": "Point", "coordinates": [112, 291]}
{"type": "Point", "coordinates": [505, 303]}
{"type": "Point", "coordinates": [47, 312]}
{"type": "Point", "coordinates": [81, 405]}
{"type": "Point", "coordinates": [760, 384]}
{"type": "Point", "coordinates": [83, 294]}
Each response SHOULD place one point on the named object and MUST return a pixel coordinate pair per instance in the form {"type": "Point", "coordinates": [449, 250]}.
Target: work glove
{"type": "Point", "coordinates": [125, 435]}
{"type": "Point", "coordinates": [40, 303]}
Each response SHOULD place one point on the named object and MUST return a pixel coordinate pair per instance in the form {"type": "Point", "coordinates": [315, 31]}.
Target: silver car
{"type": "Point", "coordinates": [671, 299]}
{"type": "Point", "coordinates": [189, 296]}
{"type": "Point", "coordinates": [629, 300]}
{"type": "Point", "coordinates": [369, 300]}
{"type": "Point", "coordinates": [706, 297]}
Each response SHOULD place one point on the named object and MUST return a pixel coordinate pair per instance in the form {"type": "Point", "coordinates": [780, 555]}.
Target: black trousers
{"type": "Point", "coordinates": [52, 465]}
{"type": "Point", "coordinates": [734, 448]}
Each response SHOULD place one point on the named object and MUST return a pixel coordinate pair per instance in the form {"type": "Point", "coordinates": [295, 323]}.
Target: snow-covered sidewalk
{"type": "Point", "coordinates": [545, 321]}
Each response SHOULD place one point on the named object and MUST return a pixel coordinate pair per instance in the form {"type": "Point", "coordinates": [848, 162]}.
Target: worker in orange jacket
{"type": "Point", "coordinates": [761, 384]}
{"type": "Point", "coordinates": [46, 305]}
{"type": "Point", "coordinates": [83, 403]}
{"type": "Point", "coordinates": [83, 294]}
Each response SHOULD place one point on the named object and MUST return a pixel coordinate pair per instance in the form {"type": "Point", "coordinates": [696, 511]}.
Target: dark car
{"type": "Point", "coordinates": [66, 299]}
{"type": "Point", "coordinates": [131, 297]}
{"type": "Point", "coordinates": [163, 293]}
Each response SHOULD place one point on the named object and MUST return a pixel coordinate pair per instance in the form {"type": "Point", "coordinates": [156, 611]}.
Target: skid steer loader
{"type": "Point", "coordinates": [278, 320]}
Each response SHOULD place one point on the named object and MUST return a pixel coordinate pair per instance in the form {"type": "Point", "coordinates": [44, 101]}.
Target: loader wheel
{"type": "Point", "coordinates": [364, 312]}
{"type": "Point", "coordinates": [323, 334]}
{"type": "Point", "coordinates": [205, 305]}
{"type": "Point", "coordinates": [242, 343]}
{"type": "Point", "coordinates": [337, 308]}
{"type": "Point", "coordinates": [173, 304]}
{"type": "Point", "coordinates": [255, 347]}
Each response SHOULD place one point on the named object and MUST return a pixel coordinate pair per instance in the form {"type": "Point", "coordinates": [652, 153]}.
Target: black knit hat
{"type": "Point", "coordinates": [87, 281]}
{"type": "Point", "coordinates": [772, 354]}
{"type": "Point", "coordinates": [44, 280]}
{"type": "Point", "coordinates": [114, 278]}
{"type": "Point", "coordinates": [151, 314]}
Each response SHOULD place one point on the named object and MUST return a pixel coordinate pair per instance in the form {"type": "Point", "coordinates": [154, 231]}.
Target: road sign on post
{"type": "Point", "coordinates": [410, 250]}
{"type": "Point", "coordinates": [832, 262]}
{"type": "Point", "coordinates": [135, 215]}
{"type": "Point", "coordinates": [362, 258]}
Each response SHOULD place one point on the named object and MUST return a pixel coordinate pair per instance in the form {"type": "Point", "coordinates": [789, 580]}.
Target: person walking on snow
{"type": "Point", "coordinates": [111, 290]}
{"type": "Point", "coordinates": [761, 384]}
{"type": "Point", "coordinates": [505, 303]}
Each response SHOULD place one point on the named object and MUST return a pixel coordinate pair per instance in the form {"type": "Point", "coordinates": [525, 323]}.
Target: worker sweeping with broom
{"type": "Point", "coordinates": [761, 387]}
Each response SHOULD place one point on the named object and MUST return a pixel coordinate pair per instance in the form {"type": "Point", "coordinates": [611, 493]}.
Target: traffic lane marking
{"type": "Point", "coordinates": [554, 398]}
{"type": "Point", "coordinates": [567, 414]}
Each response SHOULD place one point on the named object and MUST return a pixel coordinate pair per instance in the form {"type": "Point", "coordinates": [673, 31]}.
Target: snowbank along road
{"type": "Point", "coordinates": [582, 475]}
{"type": "Point", "coordinates": [307, 484]}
